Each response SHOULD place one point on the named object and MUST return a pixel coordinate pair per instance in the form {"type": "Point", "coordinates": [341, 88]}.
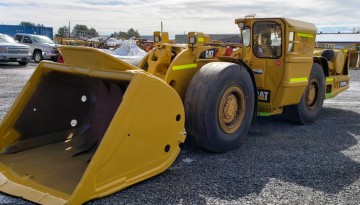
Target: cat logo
{"type": "Point", "coordinates": [209, 54]}
{"type": "Point", "coordinates": [264, 95]}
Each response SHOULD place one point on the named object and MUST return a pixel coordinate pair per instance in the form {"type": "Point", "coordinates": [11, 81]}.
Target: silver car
{"type": "Point", "coordinates": [42, 47]}
{"type": "Point", "coordinates": [11, 51]}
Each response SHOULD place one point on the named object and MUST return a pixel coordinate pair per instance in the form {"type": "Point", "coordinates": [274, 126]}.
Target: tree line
{"type": "Point", "coordinates": [83, 32]}
{"type": "Point", "coordinates": [79, 32]}
{"type": "Point", "coordinates": [27, 23]}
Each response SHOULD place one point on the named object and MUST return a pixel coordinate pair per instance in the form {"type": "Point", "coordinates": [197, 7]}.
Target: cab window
{"type": "Point", "coordinates": [18, 37]}
{"type": "Point", "coordinates": [27, 39]}
{"type": "Point", "coordinates": [267, 39]}
{"type": "Point", "coordinates": [246, 36]}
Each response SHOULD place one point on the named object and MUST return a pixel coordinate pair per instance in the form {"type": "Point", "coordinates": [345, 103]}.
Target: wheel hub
{"type": "Point", "coordinates": [312, 94]}
{"type": "Point", "coordinates": [37, 57]}
{"type": "Point", "coordinates": [231, 109]}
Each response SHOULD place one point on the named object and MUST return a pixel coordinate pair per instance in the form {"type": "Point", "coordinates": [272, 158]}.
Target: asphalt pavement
{"type": "Point", "coordinates": [281, 163]}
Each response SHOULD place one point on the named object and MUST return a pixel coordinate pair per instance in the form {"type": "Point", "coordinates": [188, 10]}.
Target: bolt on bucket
{"type": "Point", "coordinates": [87, 128]}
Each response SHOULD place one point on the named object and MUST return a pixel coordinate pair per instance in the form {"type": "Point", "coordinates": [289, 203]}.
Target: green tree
{"type": "Point", "coordinates": [115, 35]}
{"type": "Point", "coordinates": [26, 23]}
{"type": "Point", "coordinates": [123, 35]}
{"type": "Point", "coordinates": [132, 33]}
{"type": "Point", "coordinates": [63, 32]}
{"type": "Point", "coordinates": [126, 35]}
{"type": "Point", "coordinates": [80, 31]}
{"type": "Point", "coordinates": [93, 33]}
{"type": "Point", "coordinates": [83, 32]}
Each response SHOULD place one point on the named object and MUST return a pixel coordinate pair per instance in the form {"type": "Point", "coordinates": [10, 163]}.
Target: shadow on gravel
{"type": "Point", "coordinates": [309, 156]}
{"type": "Point", "coordinates": [10, 65]}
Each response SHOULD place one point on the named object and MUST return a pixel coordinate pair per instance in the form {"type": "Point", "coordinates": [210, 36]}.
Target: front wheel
{"type": "Point", "coordinates": [219, 106]}
{"type": "Point", "coordinates": [37, 56]}
{"type": "Point", "coordinates": [312, 100]}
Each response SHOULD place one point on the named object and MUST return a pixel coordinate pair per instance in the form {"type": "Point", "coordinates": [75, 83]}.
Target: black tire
{"type": "Point", "coordinates": [54, 58]}
{"type": "Point", "coordinates": [37, 56]}
{"type": "Point", "coordinates": [219, 85]}
{"type": "Point", "coordinates": [328, 54]}
{"type": "Point", "coordinates": [23, 63]}
{"type": "Point", "coordinates": [312, 100]}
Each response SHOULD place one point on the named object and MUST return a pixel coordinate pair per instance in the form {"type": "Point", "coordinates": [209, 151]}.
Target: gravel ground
{"type": "Point", "coordinates": [281, 163]}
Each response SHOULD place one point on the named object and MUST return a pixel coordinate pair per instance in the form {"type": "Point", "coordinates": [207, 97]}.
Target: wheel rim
{"type": "Point", "coordinates": [37, 57]}
{"type": "Point", "coordinates": [231, 109]}
{"type": "Point", "coordinates": [312, 94]}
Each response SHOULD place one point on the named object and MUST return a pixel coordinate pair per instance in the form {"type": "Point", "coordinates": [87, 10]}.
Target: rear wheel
{"type": "Point", "coordinates": [37, 56]}
{"type": "Point", "coordinates": [328, 54]}
{"type": "Point", "coordinates": [219, 105]}
{"type": "Point", "coordinates": [312, 100]}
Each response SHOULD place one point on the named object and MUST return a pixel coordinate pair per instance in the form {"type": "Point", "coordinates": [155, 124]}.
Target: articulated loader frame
{"type": "Point", "coordinates": [104, 124]}
{"type": "Point", "coordinates": [88, 128]}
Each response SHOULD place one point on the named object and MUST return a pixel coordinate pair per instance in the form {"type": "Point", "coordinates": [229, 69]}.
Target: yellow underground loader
{"type": "Point", "coordinates": [95, 125]}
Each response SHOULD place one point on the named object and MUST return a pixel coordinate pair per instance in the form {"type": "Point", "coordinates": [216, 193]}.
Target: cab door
{"type": "Point", "coordinates": [267, 59]}
{"type": "Point", "coordinates": [28, 41]}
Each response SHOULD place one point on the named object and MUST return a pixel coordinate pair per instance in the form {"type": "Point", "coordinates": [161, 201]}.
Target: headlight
{"type": "Point", "coordinates": [2, 49]}
{"type": "Point", "coordinates": [157, 39]}
{"type": "Point", "coordinates": [47, 49]}
{"type": "Point", "coordinates": [192, 40]}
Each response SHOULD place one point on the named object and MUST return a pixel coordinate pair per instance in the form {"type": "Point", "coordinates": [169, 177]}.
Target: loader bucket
{"type": "Point", "coordinates": [87, 128]}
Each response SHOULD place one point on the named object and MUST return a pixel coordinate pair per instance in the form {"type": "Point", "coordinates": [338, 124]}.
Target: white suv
{"type": "Point", "coordinates": [11, 51]}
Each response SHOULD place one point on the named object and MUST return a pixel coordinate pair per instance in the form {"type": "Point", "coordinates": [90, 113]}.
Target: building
{"type": "Point", "coordinates": [233, 38]}
{"type": "Point", "coordinates": [337, 40]}
{"type": "Point", "coordinates": [11, 30]}
{"type": "Point", "coordinates": [147, 37]}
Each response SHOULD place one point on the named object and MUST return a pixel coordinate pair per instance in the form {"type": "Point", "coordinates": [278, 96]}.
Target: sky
{"type": "Point", "coordinates": [178, 16]}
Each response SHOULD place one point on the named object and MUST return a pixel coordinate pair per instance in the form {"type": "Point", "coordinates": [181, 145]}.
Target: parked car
{"type": "Point", "coordinates": [11, 51]}
{"type": "Point", "coordinates": [42, 47]}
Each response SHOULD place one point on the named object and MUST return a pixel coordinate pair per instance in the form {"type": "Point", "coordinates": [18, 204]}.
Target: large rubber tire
{"type": "Point", "coordinates": [328, 54]}
{"type": "Point", "coordinates": [312, 100]}
{"type": "Point", "coordinates": [37, 56]}
{"type": "Point", "coordinates": [219, 105]}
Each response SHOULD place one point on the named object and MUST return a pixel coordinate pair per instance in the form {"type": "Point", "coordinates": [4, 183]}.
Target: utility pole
{"type": "Point", "coordinates": [69, 30]}
{"type": "Point", "coordinates": [161, 26]}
